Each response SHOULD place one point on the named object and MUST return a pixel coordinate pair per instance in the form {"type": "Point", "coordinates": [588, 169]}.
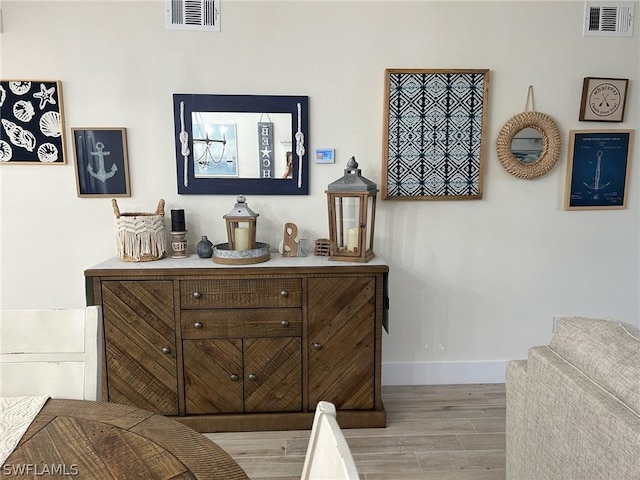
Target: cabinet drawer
{"type": "Point", "coordinates": [248, 293]}
{"type": "Point", "coordinates": [241, 323]}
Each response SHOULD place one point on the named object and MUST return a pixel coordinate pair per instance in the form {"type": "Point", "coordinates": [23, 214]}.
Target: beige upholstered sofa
{"type": "Point", "coordinates": [573, 407]}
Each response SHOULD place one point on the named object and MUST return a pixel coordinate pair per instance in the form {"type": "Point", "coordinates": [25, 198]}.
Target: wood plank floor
{"type": "Point", "coordinates": [434, 432]}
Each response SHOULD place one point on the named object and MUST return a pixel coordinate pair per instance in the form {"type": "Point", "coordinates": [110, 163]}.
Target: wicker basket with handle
{"type": "Point", "coordinates": [140, 237]}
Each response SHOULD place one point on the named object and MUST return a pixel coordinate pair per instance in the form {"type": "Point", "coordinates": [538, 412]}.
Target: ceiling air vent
{"type": "Point", "coordinates": [608, 19]}
{"type": "Point", "coordinates": [201, 15]}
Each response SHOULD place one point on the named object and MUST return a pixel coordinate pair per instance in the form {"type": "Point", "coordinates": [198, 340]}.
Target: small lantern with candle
{"type": "Point", "coordinates": [241, 226]}
{"type": "Point", "coordinates": [351, 204]}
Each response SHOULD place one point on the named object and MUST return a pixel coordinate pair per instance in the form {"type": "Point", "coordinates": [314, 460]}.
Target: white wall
{"type": "Point", "coordinates": [473, 283]}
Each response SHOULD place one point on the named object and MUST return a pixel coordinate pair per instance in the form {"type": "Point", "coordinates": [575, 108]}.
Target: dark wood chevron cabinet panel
{"type": "Point", "coordinates": [342, 332]}
{"type": "Point", "coordinates": [224, 348]}
{"type": "Point", "coordinates": [140, 345]}
{"type": "Point", "coordinates": [218, 380]}
{"type": "Point", "coordinates": [273, 374]}
{"type": "Point", "coordinates": [213, 376]}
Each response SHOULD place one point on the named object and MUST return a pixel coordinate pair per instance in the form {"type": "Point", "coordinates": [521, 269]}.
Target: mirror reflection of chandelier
{"type": "Point", "coordinates": [207, 155]}
{"type": "Point", "coordinates": [215, 149]}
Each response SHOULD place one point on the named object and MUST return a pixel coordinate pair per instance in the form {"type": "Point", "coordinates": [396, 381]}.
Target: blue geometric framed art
{"type": "Point", "coordinates": [434, 123]}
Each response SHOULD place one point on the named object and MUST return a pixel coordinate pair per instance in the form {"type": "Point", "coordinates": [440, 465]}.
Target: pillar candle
{"type": "Point", "coordinates": [177, 221]}
{"type": "Point", "coordinates": [352, 239]}
{"type": "Point", "coordinates": [241, 238]}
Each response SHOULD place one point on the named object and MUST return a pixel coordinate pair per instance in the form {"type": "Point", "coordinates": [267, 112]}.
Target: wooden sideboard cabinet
{"type": "Point", "coordinates": [241, 348]}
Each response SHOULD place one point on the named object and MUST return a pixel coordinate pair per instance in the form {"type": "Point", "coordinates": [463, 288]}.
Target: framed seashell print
{"type": "Point", "coordinates": [102, 163]}
{"type": "Point", "coordinates": [32, 122]}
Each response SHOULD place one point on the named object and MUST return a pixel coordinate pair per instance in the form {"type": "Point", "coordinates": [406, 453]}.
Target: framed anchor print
{"type": "Point", "coordinates": [102, 164]}
{"type": "Point", "coordinates": [32, 124]}
{"type": "Point", "coordinates": [434, 134]}
{"type": "Point", "coordinates": [597, 169]}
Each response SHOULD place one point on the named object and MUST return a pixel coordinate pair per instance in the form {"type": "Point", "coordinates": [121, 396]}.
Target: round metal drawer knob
{"type": "Point", "coordinates": [197, 325]}
{"type": "Point", "coordinates": [234, 377]}
{"type": "Point", "coordinates": [284, 293]}
{"type": "Point", "coordinates": [197, 294]}
{"type": "Point", "coordinates": [252, 376]}
{"type": "Point", "coordinates": [284, 323]}
{"type": "Point", "coordinates": [317, 346]}
{"type": "Point", "coordinates": [166, 350]}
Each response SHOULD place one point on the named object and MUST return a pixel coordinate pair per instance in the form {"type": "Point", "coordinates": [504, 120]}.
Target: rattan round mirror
{"type": "Point", "coordinates": [517, 151]}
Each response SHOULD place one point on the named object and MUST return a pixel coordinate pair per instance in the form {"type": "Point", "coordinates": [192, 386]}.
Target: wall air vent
{"type": "Point", "coordinates": [608, 19]}
{"type": "Point", "coordinates": [203, 15]}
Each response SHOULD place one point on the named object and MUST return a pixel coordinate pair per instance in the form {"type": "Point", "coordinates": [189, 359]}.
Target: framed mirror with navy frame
{"type": "Point", "coordinates": [241, 144]}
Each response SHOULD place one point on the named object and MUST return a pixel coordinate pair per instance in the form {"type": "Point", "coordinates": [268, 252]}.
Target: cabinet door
{"type": "Point", "coordinates": [141, 344]}
{"type": "Point", "coordinates": [272, 374]}
{"type": "Point", "coordinates": [213, 377]}
{"type": "Point", "coordinates": [342, 341]}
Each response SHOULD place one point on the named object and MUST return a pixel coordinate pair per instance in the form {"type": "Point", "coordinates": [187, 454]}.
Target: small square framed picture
{"type": "Point", "coordinates": [102, 163]}
{"type": "Point", "coordinates": [603, 99]}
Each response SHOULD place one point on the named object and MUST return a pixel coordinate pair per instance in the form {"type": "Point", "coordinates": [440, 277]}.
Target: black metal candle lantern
{"type": "Point", "coordinates": [351, 202]}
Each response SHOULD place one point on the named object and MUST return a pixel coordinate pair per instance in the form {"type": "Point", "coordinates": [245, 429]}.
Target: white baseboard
{"type": "Point", "coordinates": [443, 373]}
